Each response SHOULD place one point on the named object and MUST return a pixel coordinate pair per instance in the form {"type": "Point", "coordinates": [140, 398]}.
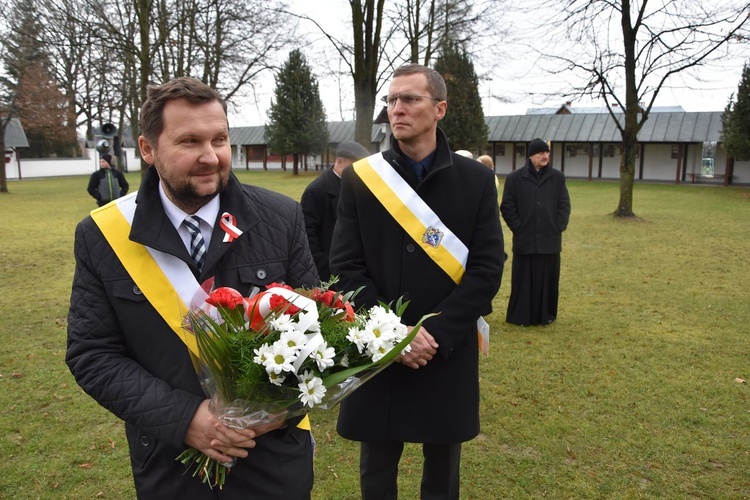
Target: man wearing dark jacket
{"type": "Point", "coordinates": [536, 207]}
{"type": "Point", "coordinates": [422, 223]}
{"type": "Point", "coordinates": [107, 183]}
{"type": "Point", "coordinates": [125, 346]}
{"type": "Point", "coordinates": [319, 202]}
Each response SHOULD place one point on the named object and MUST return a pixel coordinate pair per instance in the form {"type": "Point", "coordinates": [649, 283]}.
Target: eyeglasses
{"type": "Point", "coordinates": [406, 99]}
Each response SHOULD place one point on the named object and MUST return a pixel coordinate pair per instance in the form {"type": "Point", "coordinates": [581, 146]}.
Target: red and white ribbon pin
{"type": "Point", "coordinates": [227, 223]}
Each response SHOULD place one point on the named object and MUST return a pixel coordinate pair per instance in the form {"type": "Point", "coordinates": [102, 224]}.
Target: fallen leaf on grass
{"type": "Point", "coordinates": [111, 444]}
{"type": "Point", "coordinates": [739, 380]}
{"type": "Point", "coordinates": [16, 375]}
{"type": "Point", "coordinates": [87, 465]}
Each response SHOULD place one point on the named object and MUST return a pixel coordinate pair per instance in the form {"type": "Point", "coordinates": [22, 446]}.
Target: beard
{"type": "Point", "coordinates": [186, 196]}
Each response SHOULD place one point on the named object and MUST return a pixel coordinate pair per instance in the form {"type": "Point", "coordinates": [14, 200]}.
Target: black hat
{"type": "Point", "coordinates": [537, 146]}
{"type": "Point", "coordinates": [106, 157]}
{"type": "Point", "coordinates": [351, 150]}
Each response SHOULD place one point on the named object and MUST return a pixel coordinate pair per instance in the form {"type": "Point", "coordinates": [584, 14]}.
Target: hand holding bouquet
{"type": "Point", "coordinates": [283, 352]}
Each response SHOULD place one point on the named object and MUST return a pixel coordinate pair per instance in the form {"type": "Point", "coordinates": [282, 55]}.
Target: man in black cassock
{"type": "Point", "coordinates": [536, 207]}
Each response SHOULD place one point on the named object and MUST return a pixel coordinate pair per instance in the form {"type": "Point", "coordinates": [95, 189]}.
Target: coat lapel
{"type": "Point", "coordinates": [233, 202]}
{"type": "Point", "coordinates": [151, 226]}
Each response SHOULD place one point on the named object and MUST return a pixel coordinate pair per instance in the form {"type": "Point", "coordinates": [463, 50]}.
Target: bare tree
{"type": "Point", "coordinates": [627, 52]}
{"type": "Point", "coordinates": [426, 25]}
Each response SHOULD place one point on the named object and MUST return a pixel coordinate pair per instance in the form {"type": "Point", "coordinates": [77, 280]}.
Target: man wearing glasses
{"type": "Point", "coordinates": [421, 223]}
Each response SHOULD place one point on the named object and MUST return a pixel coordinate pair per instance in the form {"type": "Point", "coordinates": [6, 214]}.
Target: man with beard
{"type": "Point", "coordinates": [419, 222]}
{"type": "Point", "coordinates": [136, 259]}
{"type": "Point", "coordinates": [536, 207]}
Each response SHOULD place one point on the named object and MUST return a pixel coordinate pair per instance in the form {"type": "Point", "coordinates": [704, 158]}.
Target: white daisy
{"type": "Point", "coordinates": [311, 392]}
{"type": "Point", "coordinates": [358, 337]}
{"type": "Point", "coordinates": [293, 339]}
{"type": "Point", "coordinates": [280, 358]}
{"type": "Point", "coordinates": [262, 354]}
{"type": "Point", "coordinates": [276, 378]}
{"type": "Point", "coordinates": [323, 356]}
{"type": "Point", "coordinates": [281, 323]}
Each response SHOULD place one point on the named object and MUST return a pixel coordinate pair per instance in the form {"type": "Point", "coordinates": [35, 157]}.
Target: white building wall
{"type": "Point", "coordinates": [741, 172]}
{"type": "Point", "coordinates": [658, 164]}
{"type": "Point", "coordinates": [31, 168]}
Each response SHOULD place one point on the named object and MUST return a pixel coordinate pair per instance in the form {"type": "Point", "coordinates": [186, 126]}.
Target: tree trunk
{"type": "Point", "coordinates": [3, 177]}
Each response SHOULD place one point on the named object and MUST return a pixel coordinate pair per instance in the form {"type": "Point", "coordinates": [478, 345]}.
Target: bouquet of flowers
{"type": "Point", "coordinates": [283, 352]}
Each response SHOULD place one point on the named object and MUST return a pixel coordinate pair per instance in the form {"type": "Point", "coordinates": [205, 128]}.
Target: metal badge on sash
{"type": "Point", "coordinates": [432, 236]}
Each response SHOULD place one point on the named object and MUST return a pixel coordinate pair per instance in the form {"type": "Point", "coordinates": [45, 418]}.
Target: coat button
{"type": "Point", "coordinates": [145, 441]}
{"type": "Point", "coordinates": [137, 290]}
{"type": "Point", "coordinates": [261, 274]}
{"type": "Point", "coordinates": [410, 247]}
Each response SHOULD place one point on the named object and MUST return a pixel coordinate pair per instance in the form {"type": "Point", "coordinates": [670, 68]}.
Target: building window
{"type": "Point", "coordinates": [608, 151]}
{"type": "Point", "coordinates": [676, 152]}
{"type": "Point", "coordinates": [521, 151]}
{"type": "Point", "coordinates": [500, 150]}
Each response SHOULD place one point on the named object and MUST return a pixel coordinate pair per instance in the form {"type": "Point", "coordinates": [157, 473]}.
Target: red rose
{"type": "Point", "coordinates": [279, 303]}
{"type": "Point", "coordinates": [327, 298]}
{"type": "Point", "coordinates": [226, 297]}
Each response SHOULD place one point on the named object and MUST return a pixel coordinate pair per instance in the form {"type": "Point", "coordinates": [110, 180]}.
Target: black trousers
{"type": "Point", "coordinates": [378, 470]}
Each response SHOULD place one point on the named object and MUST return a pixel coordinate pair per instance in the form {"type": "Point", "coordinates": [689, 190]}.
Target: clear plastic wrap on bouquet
{"type": "Point", "coordinates": [245, 413]}
{"type": "Point", "coordinates": [282, 353]}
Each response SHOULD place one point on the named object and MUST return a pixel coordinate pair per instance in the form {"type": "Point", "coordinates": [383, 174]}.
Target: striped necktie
{"type": "Point", "coordinates": [197, 243]}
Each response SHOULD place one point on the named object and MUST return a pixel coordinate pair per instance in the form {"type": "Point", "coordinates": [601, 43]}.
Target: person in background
{"type": "Point", "coordinates": [465, 154]}
{"type": "Point", "coordinates": [431, 395]}
{"type": "Point", "coordinates": [138, 257]}
{"type": "Point", "coordinates": [536, 207]}
{"type": "Point", "coordinates": [319, 202]}
{"type": "Point", "coordinates": [487, 160]}
{"type": "Point", "coordinates": [107, 183]}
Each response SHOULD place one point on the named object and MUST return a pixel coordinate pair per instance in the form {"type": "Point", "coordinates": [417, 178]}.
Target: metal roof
{"type": "Point", "coordinates": [597, 127]}
{"type": "Point", "coordinates": [574, 110]}
{"type": "Point", "coordinates": [337, 132]}
{"type": "Point", "coordinates": [15, 137]}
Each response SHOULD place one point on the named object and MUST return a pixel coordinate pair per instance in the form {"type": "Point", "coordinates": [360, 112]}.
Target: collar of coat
{"type": "Point", "coordinates": [152, 227]}
{"type": "Point", "coordinates": [443, 158]}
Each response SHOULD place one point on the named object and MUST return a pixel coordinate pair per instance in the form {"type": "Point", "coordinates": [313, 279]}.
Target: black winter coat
{"type": "Point", "coordinates": [104, 197]}
{"type": "Point", "coordinates": [126, 357]}
{"type": "Point", "coordinates": [536, 210]}
{"type": "Point", "coordinates": [319, 203]}
{"type": "Point", "coordinates": [438, 403]}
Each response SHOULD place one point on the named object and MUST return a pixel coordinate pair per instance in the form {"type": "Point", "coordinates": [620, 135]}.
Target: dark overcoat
{"type": "Point", "coordinates": [126, 357]}
{"type": "Point", "coordinates": [319, 203]}
{"type": "Point", "coordinates": [438, 403]}
{"type": "Point", "coordinates": [536, 210]}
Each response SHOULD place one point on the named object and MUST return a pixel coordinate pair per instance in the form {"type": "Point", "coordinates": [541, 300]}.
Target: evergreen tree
{"type": "Point", "coordinates": [35, 98]}
{"type": "Point", "coordinates": [297, 120]}
{"type": "Point", "coordinates": [464, 124]}
{"type": "Point", "coordinates": [736, 120]}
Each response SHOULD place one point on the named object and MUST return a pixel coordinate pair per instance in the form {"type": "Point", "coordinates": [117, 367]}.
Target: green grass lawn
{"type": "Point", "coordinates": [636, 391]}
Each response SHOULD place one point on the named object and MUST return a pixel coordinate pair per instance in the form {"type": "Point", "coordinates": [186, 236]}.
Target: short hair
{"type": "Point", "coordinates": [435, 82]}
{"type": "Point", "coordinates": [157, 96]}
{"type": "Point", "coordinates": [487, 160]}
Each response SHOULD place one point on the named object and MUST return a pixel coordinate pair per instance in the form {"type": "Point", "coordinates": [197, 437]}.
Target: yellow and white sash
{"type": "Point", "coordinates": [166, 281]}
{"type": "Point", "coordinates": [414, 215]}
{"type": "Point", "coordinates": [420, 222]}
